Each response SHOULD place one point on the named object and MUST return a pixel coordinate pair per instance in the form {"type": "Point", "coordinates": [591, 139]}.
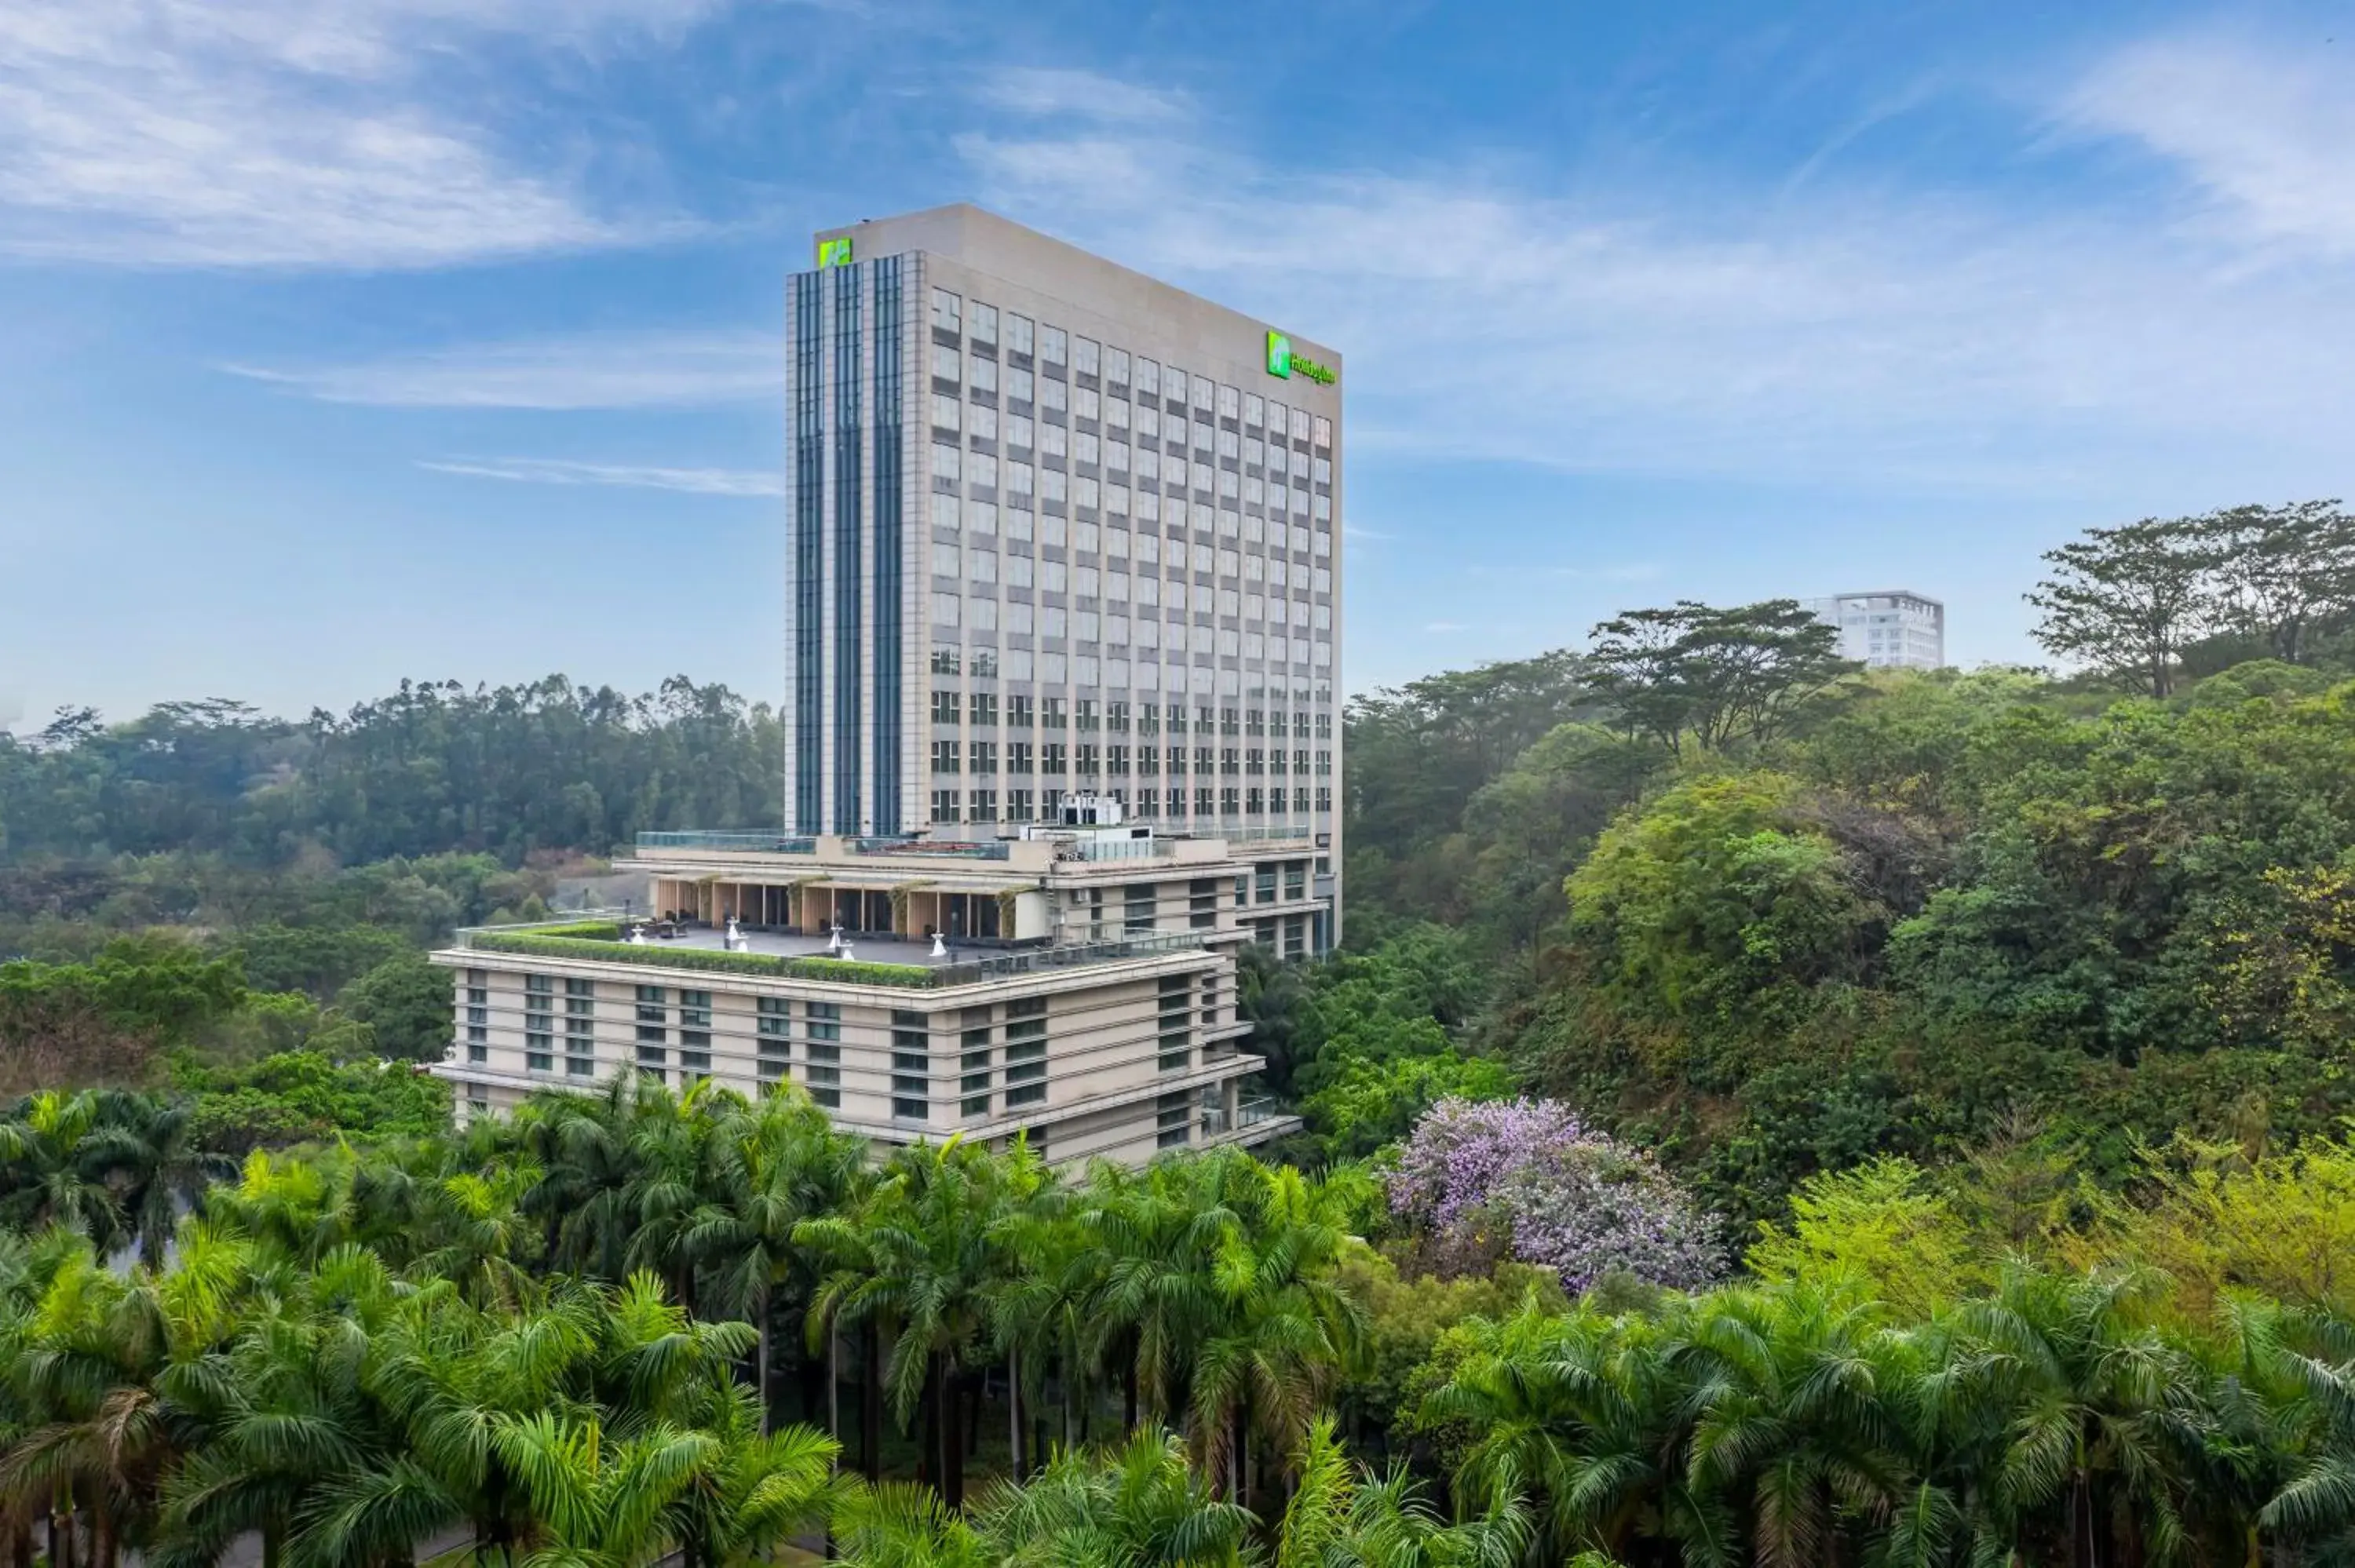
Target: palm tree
{"type": "Point", "coordinates": [47, 1173]}
{"type": "Point", "coordinates": [587, 1199]}
{"type": "Point", "coordinates": [1794, 1421]}
{"type": "Point", "coordinates": [1391, 1525]}
{"type": "Point", "coordinates": [1140, 1506]}
{"type": "Point", "coordinates": [921, 1258]}
{"type": "Point", "coordinates": [671, 1140]}
{"type": "Point", "coordinates": [287, 1415]}
{"type": "Point", "coordinates": [148, 1151]}
{"type": "Point", "coordinates": [28, 1266]}
{"type": "Point", "coordinates": [1156, 1237]}
{"type": "Point", "coordinates": [594, 1499]}
{"type": "Point", "coordinates": [110, 1366]}
{"type": "Point", "coordinates": [473, 1231]}
{"type": "Point", "coordinates": [1339, 1514]}
{"type": "Point", "coordinates": [290, 1206]}
{"type": "Point", "coordinates": [656, 1361]}
{"type": "Point", "coordinates": [2282, 1390]}
{"type": "Point", "coordinates": [893, 1525]}
{"type": "Point", "coordinates": [763, 1488]}
{"type": "Point", "coordinates": [2097, 1411]}
{"type": "Point", "coordinates": [1580, 1416]}
{"type": "Point", "coordinates": [775, 1165]}
{"type": "Point", "coordinates": [446, 1373]}
{"type": "Point", "coordinates": [1283, 1331]}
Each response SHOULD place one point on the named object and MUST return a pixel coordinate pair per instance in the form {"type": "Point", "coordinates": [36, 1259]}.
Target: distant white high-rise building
{"type": "Point", "coordinates": [1887, 629]}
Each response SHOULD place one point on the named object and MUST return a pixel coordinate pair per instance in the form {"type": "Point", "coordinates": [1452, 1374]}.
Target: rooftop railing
{"type": "Point", "coordinates": [931, 849]}
{"type": "Point", "coordinates": [1114, 849]}
{"type": "Point", "coordinates": [779, 842]}
{"type": "Point", "coordinates": [1263, 833]}
{"type": "Point", "coordinates": [761, 842]}
{"type": "Point", "coordinates": [596, 934]}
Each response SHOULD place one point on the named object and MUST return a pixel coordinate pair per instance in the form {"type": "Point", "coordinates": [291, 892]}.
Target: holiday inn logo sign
{"type": "Point", "coordinates": [834, 252]}
{"type": "Point", "coordinates": [1283, 362]}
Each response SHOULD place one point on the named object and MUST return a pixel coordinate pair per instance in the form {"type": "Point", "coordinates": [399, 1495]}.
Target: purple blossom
{"type": "Point", "coordinates": [1479, 1181]}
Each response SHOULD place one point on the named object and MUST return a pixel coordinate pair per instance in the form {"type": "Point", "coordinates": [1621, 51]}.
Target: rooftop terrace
{"type": "Point", "coordinates": [874, 958]}
{"type": "Point", "coordinates": [1083, 845]}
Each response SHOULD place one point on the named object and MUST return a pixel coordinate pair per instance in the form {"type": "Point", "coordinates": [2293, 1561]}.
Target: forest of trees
{"type": "Point", "coordinates": [615, 1327]}
{"type": "Point", "coordinates": [1768, 1110]}
{"type": "Point", "coordinates": [1911, 913]}
{"type": "Point", "coordinates": [435, 769]}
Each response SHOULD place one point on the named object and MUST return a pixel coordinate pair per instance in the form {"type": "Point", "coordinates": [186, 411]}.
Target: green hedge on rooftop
{"type": "Point", "coordinates": [549, 943]}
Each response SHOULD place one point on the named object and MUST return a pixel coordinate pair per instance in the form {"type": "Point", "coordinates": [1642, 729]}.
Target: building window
{"type": "Point", "coordinates": [774, 1038]}
{"type": "Point", "coordinates": [1026, 1052]}
{"type": "Point", "coordinates": [580, 1029]}
{"type": "Point", "coordinates": [973, 1064]}
{"type": "Point", "coordinates": [695, 1020]}
{"type": "Point", "coordinates": [1172, 1119]}
{"type": "Point", "coordinates": [1177, 1023]}
{"type": "Point", "coordinates": [911, 1065]}
{"type": "Point", "coordinates": [824, 1071]}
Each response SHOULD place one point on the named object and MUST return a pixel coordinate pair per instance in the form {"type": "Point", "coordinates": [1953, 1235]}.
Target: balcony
{"type": "Point", "coordinates": [1256, 1120]}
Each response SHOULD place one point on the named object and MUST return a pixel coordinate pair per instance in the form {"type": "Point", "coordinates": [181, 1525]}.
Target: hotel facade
{"type": "Point", "coordinates": [1064, 617]}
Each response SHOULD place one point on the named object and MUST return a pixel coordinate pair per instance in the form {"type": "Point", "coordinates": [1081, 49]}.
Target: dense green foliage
{"type": "Point", "coordinates": [433, 768]}
{"type": "Point", "coordinates": [2000, 1015]}
{"type": "Point", "coordinates": [616, 1327]}
{"type": "Point", "coordinates": [1912, 912]}
{"type": "Point", "coordinates": [1957, 906]}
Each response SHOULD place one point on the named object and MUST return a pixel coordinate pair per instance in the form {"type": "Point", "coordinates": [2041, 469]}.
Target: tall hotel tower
{"type": "Point", "coordinates": [1058, 529]}
{"type": "Point", "coordinates": [1064, 733]}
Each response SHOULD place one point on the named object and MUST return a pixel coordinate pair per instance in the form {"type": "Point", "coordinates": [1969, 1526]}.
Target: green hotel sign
{"type": "Point", "coordinates": [1283, 362]}
{"type": "Point", "coordinates": [834, 252]}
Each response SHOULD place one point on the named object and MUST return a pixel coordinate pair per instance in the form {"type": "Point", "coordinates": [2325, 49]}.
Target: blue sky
{"type": "Point", "coordinates": [346, 340]}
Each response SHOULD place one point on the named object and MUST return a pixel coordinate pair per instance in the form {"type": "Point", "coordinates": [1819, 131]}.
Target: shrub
{"type": "Point", "coordinates": [1526, 1179]}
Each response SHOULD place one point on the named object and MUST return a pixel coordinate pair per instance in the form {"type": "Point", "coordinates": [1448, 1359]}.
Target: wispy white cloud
{"type": "Point", "coordinates": [1043, 92]}
{"type": "Point", "coordinates": [1923, 341]}
{"type": "Point", "coordinates": [597, 370]}
{"type": "Point", "coordinates": [2267, 136]}
{"type": "Point", "coordinates": [283, 133]}
{"type": "Point", "coordinates": [553, 470]}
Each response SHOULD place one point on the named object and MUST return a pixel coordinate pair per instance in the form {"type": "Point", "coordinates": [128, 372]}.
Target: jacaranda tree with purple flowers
{"type": "Point", "coordinates": [1478, 1181]}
